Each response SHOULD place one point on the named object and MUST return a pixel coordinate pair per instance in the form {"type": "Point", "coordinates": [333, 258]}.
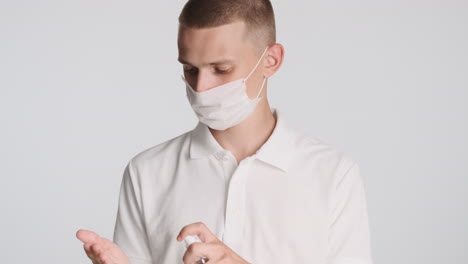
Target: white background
{"type": "Point", "coordinates": [86, 85]}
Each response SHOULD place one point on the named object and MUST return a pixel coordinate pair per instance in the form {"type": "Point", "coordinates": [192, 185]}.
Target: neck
{"type": "Point", "coordinates": [244, 139]}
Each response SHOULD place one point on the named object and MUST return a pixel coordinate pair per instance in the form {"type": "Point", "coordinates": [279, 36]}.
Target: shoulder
{"type": "Point", "coordinates": [321, 153]}
{"type": "Point", "coordinates": [165, 151]}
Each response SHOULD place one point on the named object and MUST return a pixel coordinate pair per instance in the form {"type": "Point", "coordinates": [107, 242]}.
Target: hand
{"type": "Point", "coordinates": [212, 248]}
{"type": "Point", "coordinates": [101, 250]}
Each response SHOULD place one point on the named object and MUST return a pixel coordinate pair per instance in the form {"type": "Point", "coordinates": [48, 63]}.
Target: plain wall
{"type": "Point", "coordinates": [86, 85]}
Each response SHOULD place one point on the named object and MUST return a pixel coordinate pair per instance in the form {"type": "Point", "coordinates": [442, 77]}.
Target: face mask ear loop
{"type": "Point", "coordinates": [264, 79]}
{"type": "Point", "coordinates": [258, 62]}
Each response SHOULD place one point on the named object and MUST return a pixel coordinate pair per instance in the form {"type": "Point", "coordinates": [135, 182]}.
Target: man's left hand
{"type": "Point", "coordinates": [212, 248]}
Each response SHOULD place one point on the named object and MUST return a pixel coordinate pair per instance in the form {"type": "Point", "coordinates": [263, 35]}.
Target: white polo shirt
{"type": "Point", "coordinates": [297, 200]}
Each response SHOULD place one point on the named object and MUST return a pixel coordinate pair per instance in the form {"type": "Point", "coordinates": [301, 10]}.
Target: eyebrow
{"type": "Point", "coordinates": [218, 62]}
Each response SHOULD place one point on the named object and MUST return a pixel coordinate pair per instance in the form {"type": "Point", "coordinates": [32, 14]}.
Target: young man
{"type": "Point", "coordinates": [252, 188]}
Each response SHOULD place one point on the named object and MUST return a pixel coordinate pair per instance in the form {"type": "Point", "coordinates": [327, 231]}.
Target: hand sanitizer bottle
{"type": "Point", "coordinates": [191, 239]}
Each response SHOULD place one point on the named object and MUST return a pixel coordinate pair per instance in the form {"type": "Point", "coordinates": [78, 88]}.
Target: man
{"type": "Point", "coordinates": [252, 188]}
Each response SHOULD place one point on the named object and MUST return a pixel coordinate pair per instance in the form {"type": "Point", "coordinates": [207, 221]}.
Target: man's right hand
{"type": "Point", "coordinates": [101, 250]}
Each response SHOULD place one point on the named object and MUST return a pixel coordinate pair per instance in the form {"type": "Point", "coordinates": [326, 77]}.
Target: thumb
{"type": "Point", "coordinates": [87, 236]}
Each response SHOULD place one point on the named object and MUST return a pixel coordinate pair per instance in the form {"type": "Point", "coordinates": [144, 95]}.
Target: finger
{"type": "Point", "coordinates": [114, 253]}
{"type": "Point", "coordinates": [97, 249]}
{"type": "Point", "coordinates": [89, 252]}
{"type": "Point", "coordinates": [99, 253]}
{"type": "Point", "coordinates": [87, 236]}
{"type": "Point", "coordinates": [106, 244]}
{"type": "Point", "coordinates": [197, 250]}
{"type": "Point", "coordinates": [102, 257]}
{"type": "Point", "coordinates": [199, 229]}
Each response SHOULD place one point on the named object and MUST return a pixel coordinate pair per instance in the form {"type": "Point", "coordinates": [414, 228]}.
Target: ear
{"type": "Point", "coordinates": [273, 59]}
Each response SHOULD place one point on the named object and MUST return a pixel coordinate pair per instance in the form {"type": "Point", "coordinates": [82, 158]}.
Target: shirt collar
{"type": "Point", "coordinates": [276, 151]}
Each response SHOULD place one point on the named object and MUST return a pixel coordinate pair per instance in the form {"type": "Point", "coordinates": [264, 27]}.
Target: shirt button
{"type": "Point", "coordinates": [225, 158]}
{"type": "Point", "coordinates": [219, 155]}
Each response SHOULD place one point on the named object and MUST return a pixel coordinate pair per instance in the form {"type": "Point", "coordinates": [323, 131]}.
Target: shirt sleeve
{"type": "Point", "coordinates": [349, 237]}
{"type": "Point", "coordinates": [130, 231]}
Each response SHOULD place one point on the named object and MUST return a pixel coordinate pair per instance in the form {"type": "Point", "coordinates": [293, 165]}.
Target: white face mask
{"type": "Point", "coordinates": [226, 105]}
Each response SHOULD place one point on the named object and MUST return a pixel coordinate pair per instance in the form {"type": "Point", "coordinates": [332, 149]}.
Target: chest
{"type": "Point", "coordinates": [261, 212]}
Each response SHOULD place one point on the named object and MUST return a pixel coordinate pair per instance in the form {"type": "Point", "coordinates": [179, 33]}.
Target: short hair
{"type": "Point", "coordinates": [257, 15]}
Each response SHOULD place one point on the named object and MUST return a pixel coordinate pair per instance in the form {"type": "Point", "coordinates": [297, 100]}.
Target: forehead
{"type": "Point", "coordinates": [210, 44]}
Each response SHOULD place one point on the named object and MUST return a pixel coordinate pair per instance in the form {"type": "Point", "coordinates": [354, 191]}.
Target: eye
{"type": "Point", "coordinates": [190, 69]}
{"type": "Point", "coordinates": [223, 71]}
